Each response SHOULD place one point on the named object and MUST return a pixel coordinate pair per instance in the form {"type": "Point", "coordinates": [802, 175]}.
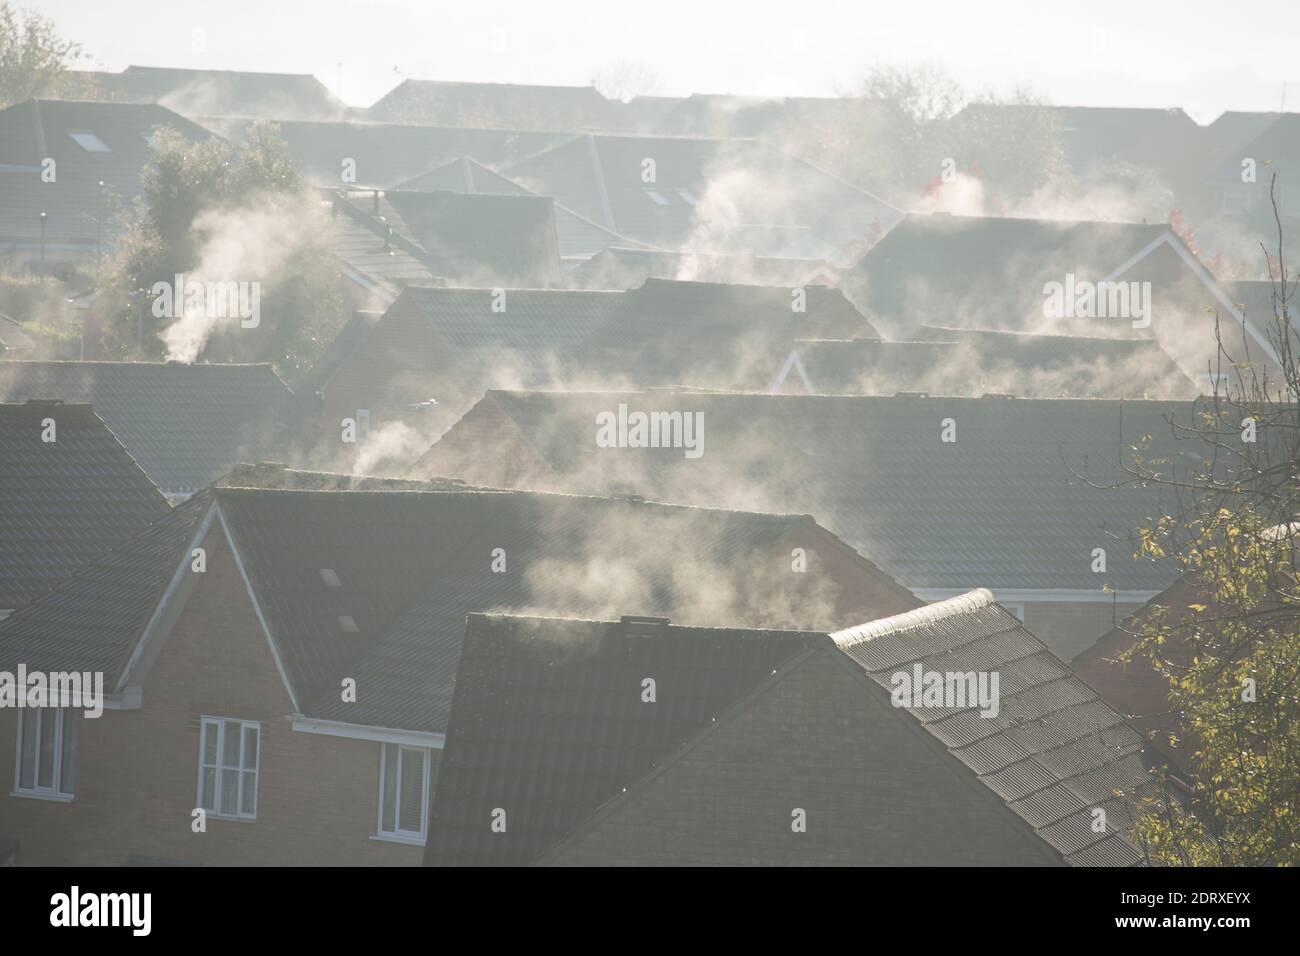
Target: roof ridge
{"type": "Point", "coordinates": [929, 614]}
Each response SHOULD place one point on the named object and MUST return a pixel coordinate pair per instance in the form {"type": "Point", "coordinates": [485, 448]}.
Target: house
{"type": "Point", "coordinates": [350, 154]}
{"type": "Point", "coordinates": [579, 239]}
{"type": "Point", "coordinates": [946, 493]}
{"type": "Point", "coordinates": [1036, 275]}
{"type": "Point", "coordinates": [184, 423]}
{"type": "Point", "coordinates": [973, 362]}
{"type": "Point", "coordinates": [66, 168]}
{"type": "Point", "coordinates": [71, 494]}
{"type": "Point", "coordinates": [498, 105]}
{"type": "Point", "coordinates": [1234, 195]}
{"type": "Point", "coordinates": [210, 92]}
{"type": "Point", "coordinates": [285, 659]}
{"type": "Point", "coordinates": [707, 195]}
{"type": "Point", "coordinates": [639, 742]}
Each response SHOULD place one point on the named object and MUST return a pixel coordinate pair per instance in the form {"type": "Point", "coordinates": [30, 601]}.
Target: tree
{"type": "Point", "coordinates": [216, 212]}
{"type": "Point", "coordinates": [1231, 657]}
{"type": "Point", "coordinates": [32, 54]}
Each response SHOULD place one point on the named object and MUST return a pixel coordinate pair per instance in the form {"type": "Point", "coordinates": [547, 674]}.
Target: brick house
{"type": "Point", "coordinates": [1011, 502]}
{"type": "Point", "coordinates": [639, 742]}
{"type": "Point", "coordinates": [297, 686]}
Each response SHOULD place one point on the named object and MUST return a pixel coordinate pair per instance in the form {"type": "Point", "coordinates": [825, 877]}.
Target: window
{"type": "Point", "coordinates": [1016, 610]}
{"type": "Point", "coordinates": [228, 754]}
{"type": "Point", "coordinates": [403, 792]}
{"type": "Point", "coordinates": [47, 752]}
{"type": "Point", "coordinates": [89, 141]}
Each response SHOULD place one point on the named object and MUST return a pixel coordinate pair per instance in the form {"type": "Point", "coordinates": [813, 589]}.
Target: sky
{"type": "Point", "coordinates": [1203, 56]}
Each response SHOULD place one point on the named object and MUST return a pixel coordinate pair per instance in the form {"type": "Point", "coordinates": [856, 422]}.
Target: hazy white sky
{"type": "Point", "coordinates": [1198, 54]}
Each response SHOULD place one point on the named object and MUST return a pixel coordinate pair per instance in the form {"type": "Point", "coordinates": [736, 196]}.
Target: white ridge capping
{"type": "Point", "coordinates": [929, 614]}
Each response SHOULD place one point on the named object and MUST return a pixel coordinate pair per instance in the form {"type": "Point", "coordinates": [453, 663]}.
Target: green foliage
{"type": "Point", "coordinates": [33, 57]}
{"type": "Point", "coordinates": [214, 211]}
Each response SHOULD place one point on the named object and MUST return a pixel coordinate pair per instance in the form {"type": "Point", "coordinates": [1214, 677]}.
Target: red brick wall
{"type": "Point", "coordinates": [137, 771]}
{"type": "Point", "coordinates": [875, 790]}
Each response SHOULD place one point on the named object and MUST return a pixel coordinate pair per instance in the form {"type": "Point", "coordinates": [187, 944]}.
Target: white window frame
{"type": "Point", "coordinates": [1016, 609]}
{"type": "Point", "coordinates": [397, 834]}
{"type": "Point", "coordinates": [219, 723]}
{"type": "Point", "coordinates": [65, 719]}
{"type": "Point", "coordinates": [97, 146]}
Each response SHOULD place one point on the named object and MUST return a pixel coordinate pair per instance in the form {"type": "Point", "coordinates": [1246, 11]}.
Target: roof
{"type": "Point", "coordinates": [445, 103]}
{"type": "Point", "coordinates": [1054, 751]}
{"type": "Point", "coordinates": [712, 333]}
{"type": "Point", "coordinates": [222, 92]}
{"type": "Point", "coordinates": [1005, 505]}
{"type": "Point", "coordinates": [751, 197]}
{"type": "Point", "coordinates": [385, 154]}
{"type": "Point", "coordinates": [67, 501]}
{"type": "Point", "coordinates": [483, 237]}
{"type": "Point", "coordinates": [549, 724]}
{"type": "Point", "coordinates": [92, 620]}
{"type": "Point", "coordinates": [184, 423]}
{"type": "Point", "coordinates": [976, 361]}
{"type": "Point", "coordinates": [411, 565]}
{"type": "Point", "coordinates": [578, 236]}
{"type": "Point", "coordinates": [989, 272]}
{"type": "Point", "coordinates": [116, 151]}
{"type": "Point", "coordinates": [549, 721]}
{"type": "Point", "coordinates": [621, 267]}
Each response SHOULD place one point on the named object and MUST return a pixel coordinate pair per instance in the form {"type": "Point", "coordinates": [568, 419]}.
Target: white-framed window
{"type": "Point", "coordinates": [1017, 610]}
{"type": "Point", "coordinates": [47, 753]}
{"type": "Point", "coordinates": [403, 792]}
{"type": "Point", "coordinates": [229, 751]}
{"type": "Point", "coordinates": [89, 141]}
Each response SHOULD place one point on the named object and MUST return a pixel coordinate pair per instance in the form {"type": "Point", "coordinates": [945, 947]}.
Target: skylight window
{"type": "Point", "coordinates": [348, 624]}
{"type": "Point", "coordinates": [687, 196]}
{"type": "Point", "coordinates": [89, 141]}
{"type": "Point", "coordinates": [657, 197]}
{"type": "Point", "coordinates": [330, 577]}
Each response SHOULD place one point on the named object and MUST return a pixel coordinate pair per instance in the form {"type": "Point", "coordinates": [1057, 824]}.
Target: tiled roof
{"type": "Point", "coordinates": [601, 177]}
{"type": "Point", "coordinates": [387, 153]}
{"type": "Point", "coordinates": [411, 565]}
{"type": "Point", "coordinates": [713, 334]}
{"type": "Point", "coordinates": [579, 237]}
{"type": "Point", "coordinates": [975, 361]}
{"type": "Point", "coordinates": [92, 620]}
{"type": "Point", "coordinates": [556, 319]}
{"type": "Point", "coordinates": [65, 502]}
{"type": "Point", "coordinates": [185, 424]}
{"type": "Point", "coordinates": [495, 104]}
{"type": "Point", "coordinates": [35, 130]}
{"type": "Point", "coordinates": [620, 267]}
{"type": "Point", "coordinates": [1054, 751]}
{"type": "Point", "coordinates": [1005, 504]}
{"type": "Point", "coordinates": [987, 272]}
{"type": "Point", "coordinates": [549, 723]}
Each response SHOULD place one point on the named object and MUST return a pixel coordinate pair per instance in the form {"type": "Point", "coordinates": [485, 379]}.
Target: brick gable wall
{"type": "Point", "coordinates": [137, 770]}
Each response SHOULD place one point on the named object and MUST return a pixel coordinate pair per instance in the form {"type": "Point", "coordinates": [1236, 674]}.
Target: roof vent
{"type": "Point", "coordinates": [44, 401]}
{"type": "Point", "coordinates": [911, 395]}
{"type": "Point", "coordinates": [997, 395]}
{"type": "Point", "coordinates": [636, 624]}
